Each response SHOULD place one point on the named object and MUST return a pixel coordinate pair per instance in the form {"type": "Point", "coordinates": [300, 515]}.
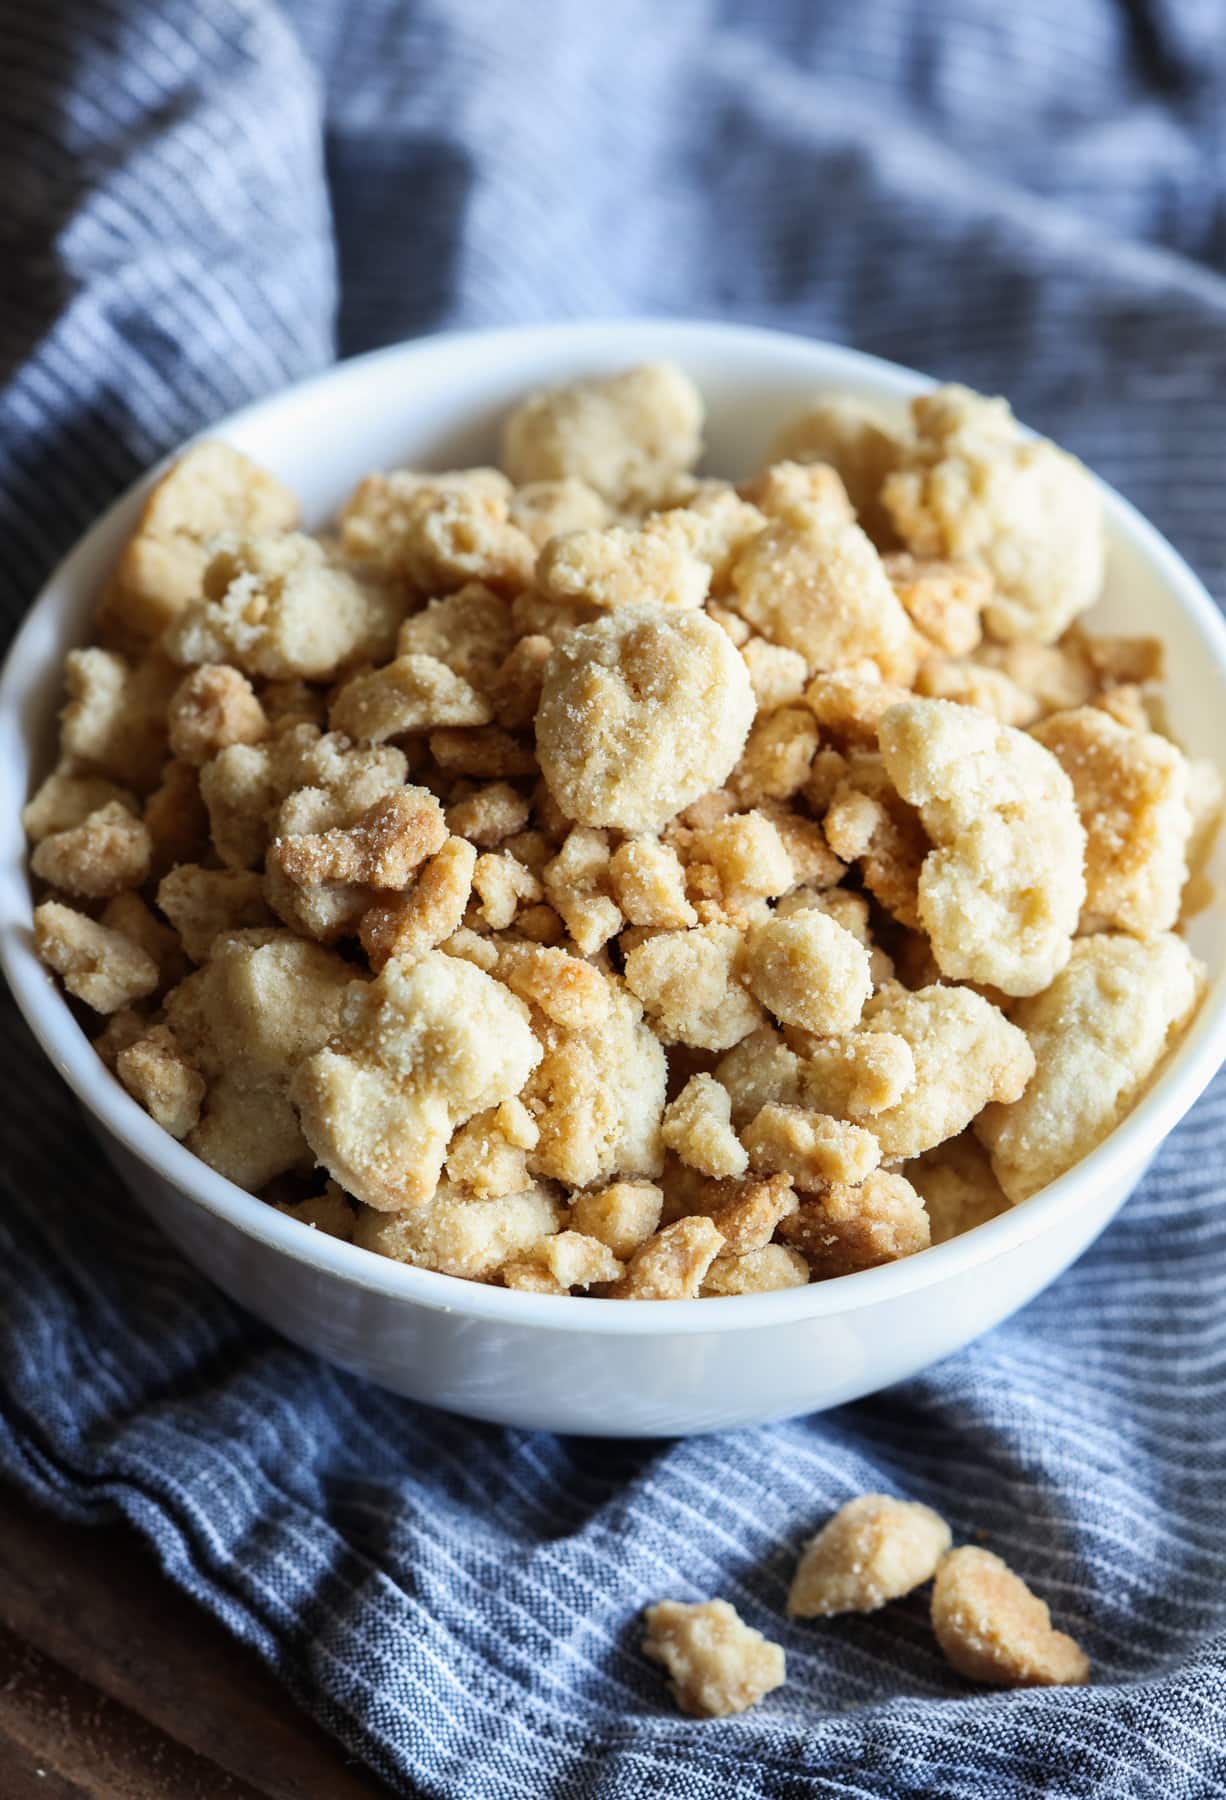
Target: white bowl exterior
{"type": "Point", "coordinates": [533, 1360]}
{"type": "Point", "coordinates": [652, 1384]}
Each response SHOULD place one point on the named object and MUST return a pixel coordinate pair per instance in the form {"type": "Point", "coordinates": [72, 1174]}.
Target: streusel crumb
{"type": "Point", "coordinates": [615, 880]}
{"type": "Point", "coordinates": [993, 1629]}
{"type": "Point", "coordinates": [874, 1549]}
{"type": "Point", "coordinates": [716, 1664]}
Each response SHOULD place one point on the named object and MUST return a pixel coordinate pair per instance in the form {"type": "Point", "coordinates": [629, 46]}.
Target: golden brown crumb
{"type": "Point", "coordinates": [720, 524]}
{"type": "Point", "coordinates": [213, 706]}
{"type": "Point", "coordinates": [673, 1263]}
{"type": "Point", "coordinates": [761, 1068]}
{"type": "Point", "coordinates": [808, 971]}
{"type": "Point", "coordinates": [623, 1215]}
{"type": "Point", "coordinates": [813, 582]}
{"type": "Point", "coordinates": [1206, 800]}
{"type": "Point", "coordinates": [485, 751]}
{"type": "Point", "coordinates": [458, 1234]}
{"type": "Point", "coordinates": [414, 693]}
{"type": "Point", "coordinates": [249, 1132]}
{"type": "Point", "coordinates": [502, 884]}
{"type": "Point", "coordinates": [263, 1001]}
{"type": "Point", "coordinates": [489, 814]}
{"type": "Point", "coordinates": [410, 923]}
{"type": "Point", "coordinates": [655, 564]}
{"type": "Point", "coordinates": [329, 1212]}
{"type": "Point", "coordinates": [128, 913]}
{"type": "Point", "coordinates": [875, 1549]}
{"type": "Point", "coordinates": [858, 1225]}
{"type": "Point", "coordinates": [515, 691]}
{"type": "Point", "coordinates": [848, 704]}
{"type": "Point", "coordinates": [868, 823]}
{"type": "Point", "coordinates": [993, 1629]}
{"type": "Point", "coordinates": [66, 799]}
{"type": "Point", "coordinates": [575, 881]}
{"type": "Point", "coordinates": [689, 985]}
{"type": "Point", "coordinates": [210, 490]}
{"type": "Point", "coordinates": [979, 685]}
{"type": "Point", "coordinates": [777, 758]}
{"type": "Point", "coordinates": [279, 607]}
{"type": "Point", "coordinates": [943, 599]}
{"type": "Point", "coordinates": [471, 631]}
{"type": "Point", "coordinates": [764, 1271]}
{"type": "Point", "coordinates": [966, 1054]}
{"type": "Point", "coordinates": [648, 883]}
{"type": "Point", "coordinates": [155, 1072]}
{"type": "Point", "coordinates": [1001, 893]}
{"type": "Point", "coordinates": [1056, 676]}
{"type": "Point", "coordinates": [452, 539]}
{"type": "Point", "coordinates": [292, 702]}
{"type": "Point", "coordinates": [546, 509]}
{"type": "Point", "coordinates": [716, 1664]}
{"type": "Point", "coordinates": [1131, 789]}
{"type": "Point", "coordinates": [747, 1212]}
{"type": "Point", "coordinates": [861, 444]}
{"type": "Point", "coordinates": [810, 1147]}
{"type": "Point", "coordinates": [488, 1156]}
{"type": "Point", "coordinates": [103, 968]}
{"type": "Point", "coordinates": [970, 487]}
{"type": "Point", "coordinates": [566, 989]}
{"type": "Point", "coordinates": [698, 1126]}
{"type": "Point", "coordinates": [122, 1028]}
{"type": "Point", "coordinates": [956, 1184]}
{"type": "Point", "coordinates": [114, 722]}
{"type": "Point", "coordinates": [201, 903]}
{"type": "Point", "coordinates": [383, 847]}
{"type": "Point", "coordinates": [108, 852]}
{"type": "Point", "coordinates": [421, 1049]}
{"type": "Point", "coordinates": [776, 673]}
{"type": "Point", "coordinates": [748, 862]}
{"type": "Point", "coordinates": [597, 1097]}
{"type": "Point", "coordinates": [781, 486]}
{"type": "Point", "coordinates": [731, 624]}
{"type": "Point", "coordinates": [381, 516]}
{"type": "Point", "coordinates": [176, 818]}
{"type": "Point", "coordinates": [813, 862]}
{"type": "Point", "coordinates": [569, 1259]}
{"type": "Point", "coordinates": [858, 1074]}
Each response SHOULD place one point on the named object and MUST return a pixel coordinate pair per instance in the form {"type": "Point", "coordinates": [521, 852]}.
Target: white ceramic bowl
{"type": "Point", "coordinates": [582, 1365]}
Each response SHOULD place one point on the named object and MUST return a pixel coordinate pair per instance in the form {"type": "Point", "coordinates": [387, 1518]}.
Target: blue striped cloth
{"type": "Point", "coordinates": [202, 202]}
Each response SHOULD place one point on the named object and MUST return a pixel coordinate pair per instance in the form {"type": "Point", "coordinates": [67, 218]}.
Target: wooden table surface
{"type": "Point", "coordinates": [114, 1685]}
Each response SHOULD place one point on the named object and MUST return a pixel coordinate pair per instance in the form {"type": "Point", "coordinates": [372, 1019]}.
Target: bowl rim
{"type": "Point", "coordinates": [1121, 1154]}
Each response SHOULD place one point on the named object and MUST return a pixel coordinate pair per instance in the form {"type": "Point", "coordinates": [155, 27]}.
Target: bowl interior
{"type": "Point", "coordinates": [438, 403]}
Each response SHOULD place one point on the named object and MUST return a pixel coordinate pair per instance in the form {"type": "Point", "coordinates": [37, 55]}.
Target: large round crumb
{"type": "Point", "coordinates": [993, 1629]}
{"type": "Point", "coordinates": [641, 714]}
{"type": "Point", "coordinates": [874, 1549]}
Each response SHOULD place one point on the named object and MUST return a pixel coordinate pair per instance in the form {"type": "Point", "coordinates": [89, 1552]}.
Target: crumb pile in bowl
{"type": "Point", "coordinates": [588, 876]}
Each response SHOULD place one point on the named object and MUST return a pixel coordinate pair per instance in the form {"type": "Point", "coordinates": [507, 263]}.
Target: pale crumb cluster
{"type": "Point", "coordinates": [993, 1629]}
{"type": "Point", "coordinates": [716, 1664]}
{"type": "Point", "coordinates": [591, 877]}
{"type": "Point", "coordinates": [875, 1549]}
